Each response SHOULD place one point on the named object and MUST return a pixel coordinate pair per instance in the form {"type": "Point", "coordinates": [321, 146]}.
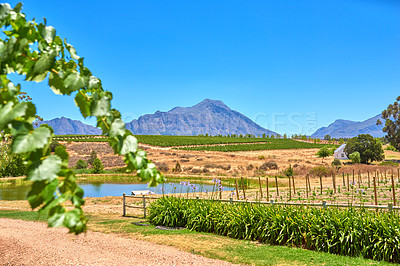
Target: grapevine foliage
{"type": "Point", "coordinates": [34, 51]}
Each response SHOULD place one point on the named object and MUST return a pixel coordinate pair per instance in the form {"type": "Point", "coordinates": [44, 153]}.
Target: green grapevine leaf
{"type": "Point", "coordinates": [46, 170]}
{"type": "Point", "coordinates": [38, 138]}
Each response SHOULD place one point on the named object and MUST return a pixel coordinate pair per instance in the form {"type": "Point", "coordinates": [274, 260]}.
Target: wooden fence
{"type": "Point", "coordinates": [390, 207]}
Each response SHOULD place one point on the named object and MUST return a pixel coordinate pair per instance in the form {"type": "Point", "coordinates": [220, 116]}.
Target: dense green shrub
{"type": "Point", "coordinates": [54, 144]}
{"type": "Point", "coordinates": [81, 164]}
{"type": "Point", "coordinates": [350, 232]}
{"type": "Point", "coordinates": [389, 163]}
{"type": "Point", "coordinates": [97, 166]}
{"type": "Point", "coordinates": [355, 157]}
{"type": "Point", "coordinates": [390, 148]}
{"type": "Point", "coordinates": [336, 162]}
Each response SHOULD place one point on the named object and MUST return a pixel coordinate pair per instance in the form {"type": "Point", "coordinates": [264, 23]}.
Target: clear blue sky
{"type": "Point", "coordinates": [306, 63]}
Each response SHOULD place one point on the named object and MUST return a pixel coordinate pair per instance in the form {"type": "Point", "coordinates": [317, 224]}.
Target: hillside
{"type": "Point", "coordinates": [348, 129]}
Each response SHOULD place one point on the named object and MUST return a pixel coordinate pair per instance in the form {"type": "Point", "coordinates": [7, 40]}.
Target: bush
{"type": "Point", "coordinates": [268, 165]}
{"type": "Point", "coordinates": [54, 144]}
{"type": "Point", "coordinates": [355, 157]}
{"type": "Point", "coordinates": [97, 166]}
{"type": "Point", "coordinates": [389, 163]}
{"type": "Point", "coordinates": [177, 168]}
{"type": "Point", "coordinates": [349, 232]}
{"type": "Point", "coordinates": [320, 171]}
{"type": "Point", "coordinates": [336, 162]}
{"type": "Point", "coordinates": [81, 164]}
{"type": "Point", "coordinates": [390, 148]}
{"type": "Point", "coordinates": [163, 167]}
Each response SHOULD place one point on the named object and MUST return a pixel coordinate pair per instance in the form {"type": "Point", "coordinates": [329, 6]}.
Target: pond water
{"type": "Point", "coordinates": [96, 189]}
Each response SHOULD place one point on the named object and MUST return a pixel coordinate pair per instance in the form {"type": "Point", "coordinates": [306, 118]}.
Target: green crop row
{"type": "Point", "coordinates": [169, 141]}
{"type": "Point", "coordinates": [276, 144]}
{"type": "Point", "coordinates": [350, 232]}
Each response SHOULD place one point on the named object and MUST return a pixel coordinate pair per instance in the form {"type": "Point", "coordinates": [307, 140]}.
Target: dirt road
{"type": "Point", "coordinates": [32, 243]}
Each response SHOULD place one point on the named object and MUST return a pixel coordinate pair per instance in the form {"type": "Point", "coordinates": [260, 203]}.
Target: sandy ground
{"type": "Point", "coordinates": [19, 245]}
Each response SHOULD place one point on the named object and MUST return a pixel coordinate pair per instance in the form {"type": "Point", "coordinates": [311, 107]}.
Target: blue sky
{"type": "Point", "coordinates": [291, 66]}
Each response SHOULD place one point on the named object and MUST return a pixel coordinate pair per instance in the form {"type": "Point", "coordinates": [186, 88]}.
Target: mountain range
{"type": "Point", "coordinates": [211, 117]}
{"type": "Point", "coordinates": [348, 129]}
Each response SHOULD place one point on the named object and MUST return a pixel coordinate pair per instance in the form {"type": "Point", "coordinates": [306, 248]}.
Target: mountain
{"type": "Point", "coordinates": [211, 117]}
{"type": "Point", "coordinates": [64, 126]}
{"type": "Point", "coordinates": [348, 129]}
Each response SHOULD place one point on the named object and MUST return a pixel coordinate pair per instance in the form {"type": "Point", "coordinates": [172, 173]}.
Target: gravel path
{"type": "Point", "coordinates": [33, 243]}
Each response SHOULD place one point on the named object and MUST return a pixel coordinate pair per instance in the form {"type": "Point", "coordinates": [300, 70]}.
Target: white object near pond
{"type": "Point", "coordinates": [339, 153]}
{"type": "Point", "coordinates": [141, 192]}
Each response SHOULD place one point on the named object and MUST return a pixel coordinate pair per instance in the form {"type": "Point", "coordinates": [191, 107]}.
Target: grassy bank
{"type": "Point", "coordinates": [206, 244]}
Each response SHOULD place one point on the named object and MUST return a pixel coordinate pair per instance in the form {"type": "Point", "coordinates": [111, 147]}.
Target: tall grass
{"type": "Point", "coordinates": [351, 232]}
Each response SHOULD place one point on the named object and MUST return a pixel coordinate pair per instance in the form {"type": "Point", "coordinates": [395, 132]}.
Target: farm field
{"type": "Point", "coordinates": [206, 143]}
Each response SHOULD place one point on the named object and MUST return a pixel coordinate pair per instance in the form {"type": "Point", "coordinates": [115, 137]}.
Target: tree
{"type": "Point", "coordinates": [370, 150]}
{"type": "Point", "coordinates": [92, 157]}
{"type": "Point", "coordinates": [35, 52]}
{"type": "Point", "coordinates": [327, 137]}
{"type": "Point", "coordinates": [323, 152]}
{"type": "Point", "coordinates": [392, 123]}
{"type": "Point", "coordinates": [81, 164]}
{"type": "Point", "coordinates": [97, 166]}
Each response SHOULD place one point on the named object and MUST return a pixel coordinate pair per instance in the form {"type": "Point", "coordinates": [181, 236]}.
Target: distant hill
{"type": "Point", "coordinates": [65, 126]}
{"type": "Point", "coordinates": [211, 117]}
{"type": "Point", "coordinates": [348, 129]}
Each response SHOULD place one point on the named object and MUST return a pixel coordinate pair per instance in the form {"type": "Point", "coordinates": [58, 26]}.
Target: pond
{"type": "Point", "coordinates": [97, 189]}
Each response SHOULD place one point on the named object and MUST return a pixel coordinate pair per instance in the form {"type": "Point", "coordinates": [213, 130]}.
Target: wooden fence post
{"type": "Point", "coordinates": [276, 185]}
{"type": "Point", "coordinates": [244, 192]}
{"type": "Point", "coordinates": [261, 192]}
{"type": "Point", "coordinates": [344, 182]}
{"type": "Point", "coordinates": [294, 187]}
{"type": "Point", "coordinates": [320, 181]}
{"type": "Point", "coordinates": [123, 205]}
{"type": "Point", "coordinates": [359, 178]}
{"type": "Point", "coordinates": [309, 183]}
{"type": "Point", "coordinates": [398, 175]}
{"type": "Point", "coordinates": [290, 190]}
{"type": "Point", "coordinates": [368, 180]}
{"type": "Point", "coordinates": [375, 194]}
{"type": "Point", "coordinates": [307, 186]}
{"type": "Point", "coordinates": [353, 178]}
{"type": "Point", "coordinates": [237, 190]}
{"type": "Point", "coordinates": [144, 206]}
{"type": "Point", "coordinates": [394, 192]}
{"type": "Point", "coordinates": [334, 183]}
{"type": "Point", "coordinates": [267, 190]}
{"type": "Point", "coordinates": [348, 182]}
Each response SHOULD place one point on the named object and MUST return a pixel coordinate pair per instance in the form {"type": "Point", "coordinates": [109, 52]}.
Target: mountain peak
{"type": "Point", "coordinates": [210, 102]}
{"type": "Point", "coordinates": [209, 116]}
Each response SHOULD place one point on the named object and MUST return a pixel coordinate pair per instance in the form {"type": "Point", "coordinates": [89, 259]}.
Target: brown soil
{"type": "Point", "coordinates": [19, 245]}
